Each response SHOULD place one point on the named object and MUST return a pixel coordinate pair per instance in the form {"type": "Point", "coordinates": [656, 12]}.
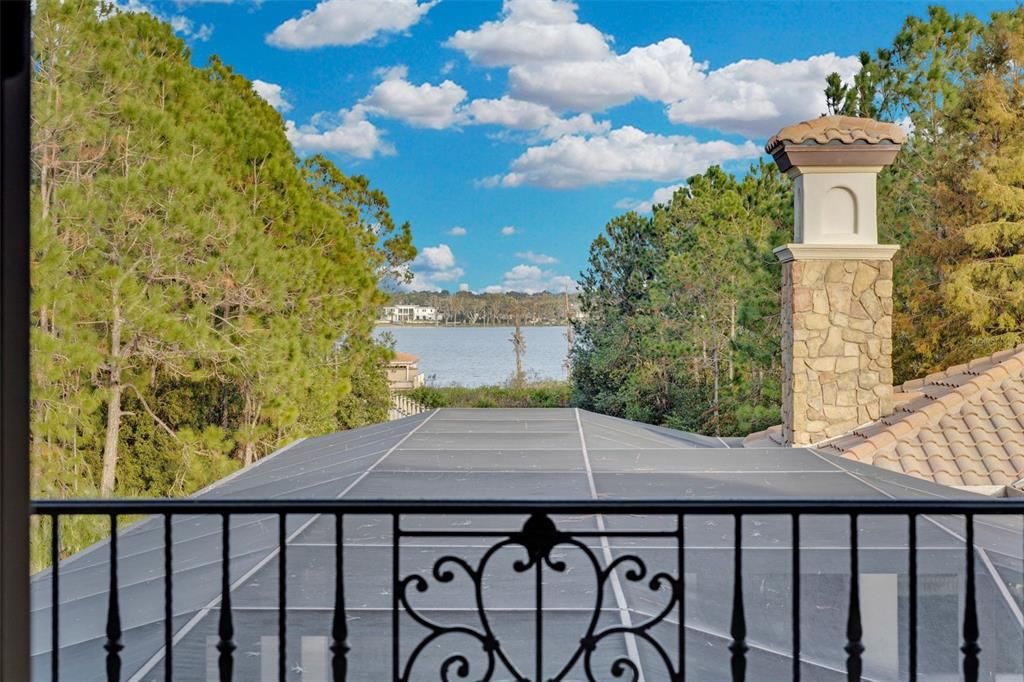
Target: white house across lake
{"type": "Point", "coordinates": [409, 314]}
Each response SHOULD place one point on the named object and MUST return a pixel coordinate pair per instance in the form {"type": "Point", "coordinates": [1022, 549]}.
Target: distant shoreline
{"type": "Point", "coordinates": [379, 323]}
{"type": "Point", "coordinates": [479, 355]}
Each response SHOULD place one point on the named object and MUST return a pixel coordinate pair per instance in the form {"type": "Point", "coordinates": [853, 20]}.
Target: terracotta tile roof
{"type": "Point", "coordinates": [963, 426]}
{"type": "Point", "coordinates": [843, 129]}
{"type": "Point", "coordinates": [404, 358]}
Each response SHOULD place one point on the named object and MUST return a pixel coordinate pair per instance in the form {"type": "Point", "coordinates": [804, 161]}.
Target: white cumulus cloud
{"type": "Point", "coordinates": [178, 22]}
{"type": "Point", "coordinates": [757, 97]}
{"type": "Point", "coordinates": [348, 22]}
{"type": "Point", "coordinates": [558, 62]}
{"type": "Point", "coordinates": [530, 279]}
{"type": "Point", "coordinates": [663, 71]}
{"type": "Point", "coordinates": [537, 258]}
{"type": "Point", "coordinates": [272, 93]}
{"type": "Point", "coordinates": [423, 106]}
{"type": "Point", "coordinates": [515, 114]}
{"type": "Point", "coordinates": [523, 273]}
{"type": "Point", "coordinates": [435, 258]}
{"type": "Point", "coordinates": [443, 106]}
{"type": "Point", "coordinates": [531, 31]}
{"type": "Point", "coordinates": [433, 267]}
{"type": "Point", "coordinates": [457, 231]}
{"type": "Point", "coordinates": [662, 195]}
{"type": "Point", "coordinates": [508, 230]}
{"type": "Point", "coordinates": [626, 153]}
{"type": "Point", "coordinates": [347, 132]}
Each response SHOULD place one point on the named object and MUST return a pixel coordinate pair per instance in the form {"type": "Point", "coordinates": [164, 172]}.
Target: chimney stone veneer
{"type": "Point", "coordinates": [836, 278]}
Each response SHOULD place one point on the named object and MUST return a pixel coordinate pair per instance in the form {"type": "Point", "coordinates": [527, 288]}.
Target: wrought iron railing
{"type": "Point", "coordinates": [536, 540]}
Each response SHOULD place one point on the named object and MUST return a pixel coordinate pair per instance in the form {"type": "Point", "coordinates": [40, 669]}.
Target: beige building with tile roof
{"type": "Point", "coordinates": [962, 427]}
{"type": "Point", "coordinates": [403, 372]}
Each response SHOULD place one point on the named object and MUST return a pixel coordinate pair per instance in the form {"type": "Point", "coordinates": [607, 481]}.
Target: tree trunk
{"type": "Point", "coordinates": [110, 445]}
{"type": "Point", "coordinates": [716, 406]}
{"type": "Point", "coordinates": [732, 340]}
{"type": "Point", "coordinates": [250, 417]}
{"type": "Point", "coordinates": [519, 346]}
{"type": "Point", "coordinates": [113, 408]}
{"type": "Point", "coordinates": [248, 453]}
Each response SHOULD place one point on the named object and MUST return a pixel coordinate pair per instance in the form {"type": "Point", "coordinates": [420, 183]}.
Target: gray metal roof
{"type": "Point", "coordinates": [544, 454]}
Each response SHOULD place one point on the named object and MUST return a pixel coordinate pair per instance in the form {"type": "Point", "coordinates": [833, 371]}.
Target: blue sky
{"type": "Point", "coordinates": [509, 133]}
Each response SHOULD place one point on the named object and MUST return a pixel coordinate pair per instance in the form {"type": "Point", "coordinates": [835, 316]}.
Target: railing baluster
{"type": "Point", "coordinates": [796, 596]}
{"type": "Point", "coordinates": [681, 561]}
{"type": "Point", "coordinates": [168, 604]}
{"type": "Point", "coordinates": [539, 611]}
{"type": "Point", "coordinates": [394, 597]}
{"type": "Point", "coordinates": [113, 644]}
{"type": "Point", "coordinates": [55, 597]}
{"type": "Point", "coordinates": [282, 595]}
{"type": "Point", "coordinates": [970, 648]}
{"type": "Point", "coordinates": [912, 596]}
{"type": "Point", "coordinates": [738, 628]}
{"type": "Point", "coordinates": [339, 628]}
{"type": "Point", "coordinates": [854, 632]}
{"type": "Point", "coordinates": [225, 627]}
{"type": "Point", "coordinates": [854, 647]}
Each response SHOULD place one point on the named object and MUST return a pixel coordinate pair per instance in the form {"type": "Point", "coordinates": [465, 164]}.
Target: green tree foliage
{"type": "Point", "coordinates": [200, 296]}
{"type": "Point", "coordinates": [857, 99]}
{"type": "Point", "coordinates": [680, 309]}
{"type": "Point", "coordinates": [835, 93]}
{"type": "Point", "coordinates": [986, 289]}
{"type": "Point", "coordinates": [531, 394]}
{"type": "Point", "coordinates": [955, 82]}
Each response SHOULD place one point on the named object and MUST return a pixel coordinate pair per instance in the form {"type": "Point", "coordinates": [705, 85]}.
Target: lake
{"type": "Point", "coordinates": [480, 356]}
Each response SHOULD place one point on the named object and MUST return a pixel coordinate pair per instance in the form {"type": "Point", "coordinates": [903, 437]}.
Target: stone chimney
{"type": "Point", "coordinates": [836, 278]}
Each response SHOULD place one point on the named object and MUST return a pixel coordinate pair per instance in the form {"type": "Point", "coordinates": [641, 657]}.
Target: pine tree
{"type": "Point", "coordinates": [986, 288]}
{"type": "Point", "coordinates": [681, 308]}
{"type": "Point", "coordinates": [199, 295]}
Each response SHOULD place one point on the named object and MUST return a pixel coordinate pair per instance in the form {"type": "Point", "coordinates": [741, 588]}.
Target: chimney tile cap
{"type": "Point", "coordinates": [842, 129]}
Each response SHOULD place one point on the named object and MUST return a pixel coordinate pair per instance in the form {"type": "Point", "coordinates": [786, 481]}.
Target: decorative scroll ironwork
{"type": "Point", "coordinates": [538, 539]}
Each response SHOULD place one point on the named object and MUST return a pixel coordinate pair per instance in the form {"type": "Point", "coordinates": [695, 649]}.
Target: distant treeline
{"type": "Point", "coordinates": [533, 394]}
{"type": "Point", "coordinates": [468, 308]}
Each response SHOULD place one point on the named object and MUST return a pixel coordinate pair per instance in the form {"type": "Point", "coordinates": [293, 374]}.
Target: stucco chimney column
{"type": "Point", "coordinates": [836, 278]}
